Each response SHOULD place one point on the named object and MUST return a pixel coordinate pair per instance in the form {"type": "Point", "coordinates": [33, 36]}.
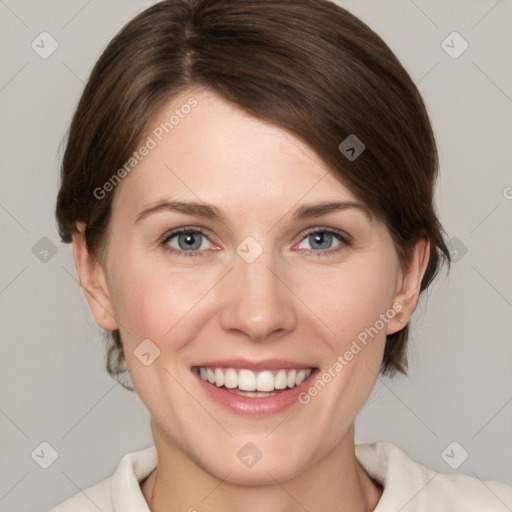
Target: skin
{"type": "Point", "coordinates": [292, 302]}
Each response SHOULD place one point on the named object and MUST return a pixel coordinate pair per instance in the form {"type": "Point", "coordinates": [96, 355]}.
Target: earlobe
{"type": "Point", "coordinates": [409, 288]}
{"type": "Point", "coordinates": [93, 281]}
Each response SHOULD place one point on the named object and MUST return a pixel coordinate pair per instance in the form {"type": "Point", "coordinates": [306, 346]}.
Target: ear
{"type": "Point", "coordinates": [93, 281]}
{"type": "Point", "coordinates": [408, 285]}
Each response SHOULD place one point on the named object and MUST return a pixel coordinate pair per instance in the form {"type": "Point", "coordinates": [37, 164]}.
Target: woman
{"type": "Point", "coordinates": [248, 189]}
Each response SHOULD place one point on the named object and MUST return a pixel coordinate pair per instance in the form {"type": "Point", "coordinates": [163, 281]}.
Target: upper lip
{"type": "Point", "coordinates": [265, 364]}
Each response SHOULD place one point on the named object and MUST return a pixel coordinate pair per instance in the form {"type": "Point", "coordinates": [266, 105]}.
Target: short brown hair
{"type": "Point", "coordinates": [308, 66]}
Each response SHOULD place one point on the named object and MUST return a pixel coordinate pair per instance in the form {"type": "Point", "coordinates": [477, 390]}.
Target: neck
{"type": "Point", "coordinates": [335, 483]}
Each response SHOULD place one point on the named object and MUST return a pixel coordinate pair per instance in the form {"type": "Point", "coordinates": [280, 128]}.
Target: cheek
{"type": "Point", "coordinates": [147, 303]}
{"type": "Point", "coordinates": [350, 299]}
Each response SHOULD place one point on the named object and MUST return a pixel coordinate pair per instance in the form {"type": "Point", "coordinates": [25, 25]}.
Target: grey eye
{"type": "Point", "coordinates": [188, 241]}
{"type": "Point", "coordinates": [320, 240]}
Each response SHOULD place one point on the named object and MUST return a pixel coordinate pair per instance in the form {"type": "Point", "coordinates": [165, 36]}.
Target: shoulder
{"type": "Point", "coordinates": [120, 491]}
{"type": "Point", "coordinates": [412, 487]}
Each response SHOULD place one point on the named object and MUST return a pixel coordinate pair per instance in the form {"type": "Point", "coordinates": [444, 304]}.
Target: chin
{"type": "Point", "coordinates": [247, 466]}
{"type": "Point", "coordinates": [261, 473]}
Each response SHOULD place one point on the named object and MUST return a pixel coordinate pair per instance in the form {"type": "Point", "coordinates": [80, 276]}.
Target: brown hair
{"type": "Point", "coordinates": [308, 66]}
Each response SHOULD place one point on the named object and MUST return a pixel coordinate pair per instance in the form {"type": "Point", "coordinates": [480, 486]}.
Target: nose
{"type": "Point", "coordinates": [256, 300]}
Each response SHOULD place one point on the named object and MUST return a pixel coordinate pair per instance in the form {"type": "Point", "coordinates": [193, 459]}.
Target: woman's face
{"type": "Point", "coordinates": [249, 288]}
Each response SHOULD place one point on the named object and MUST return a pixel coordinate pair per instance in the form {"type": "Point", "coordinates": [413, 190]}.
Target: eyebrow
{"type": "Point", "coordinates": [319, 209]}
{"type": "Point", "coordinates": [188, 208]}
{"type": "Point", "coordinates": [211, 212]}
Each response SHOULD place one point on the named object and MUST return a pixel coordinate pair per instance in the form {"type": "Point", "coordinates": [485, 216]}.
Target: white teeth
{"type": "Point", "coordinates": [252, 394]}
{"type": "Point", "coordinates": [255, 382]}
{"type": "Point", "coordinates": [291, 378]}
{"type": "Point", "coordinates": [219, 377]}
{"type": "Point", "coordinates": [301, 377]}
{"type": "Point", "coordinates": [280, 380]}
{"type": "Point", "coordinates": [265, 381]}
{"type": "Point", "coordinates": [247, 380]}
{"type": "Point", "coordinates": [230, 378]}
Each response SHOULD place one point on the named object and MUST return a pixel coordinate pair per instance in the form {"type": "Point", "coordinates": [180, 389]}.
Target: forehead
{"type": "Point", "coordinates": [205, 148]}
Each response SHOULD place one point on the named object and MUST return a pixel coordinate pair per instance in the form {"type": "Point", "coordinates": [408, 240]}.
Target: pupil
{"type": "Point", "coordinates": [189, 241]}
{"type": "Point", "coordinates": [322, 239]}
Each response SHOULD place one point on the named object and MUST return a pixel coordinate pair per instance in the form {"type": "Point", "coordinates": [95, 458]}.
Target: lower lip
{"type": "Point", "coordinates": [257, 406]}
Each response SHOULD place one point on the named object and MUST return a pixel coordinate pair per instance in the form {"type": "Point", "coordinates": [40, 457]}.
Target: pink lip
{"type": "Point", "coordinates": [255, 366]}
{"type": "Point", "coordinates": [257, 406]}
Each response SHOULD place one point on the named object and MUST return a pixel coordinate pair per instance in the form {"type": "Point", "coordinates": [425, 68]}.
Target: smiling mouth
{"type": "Point", "coordinates": [244, 382]}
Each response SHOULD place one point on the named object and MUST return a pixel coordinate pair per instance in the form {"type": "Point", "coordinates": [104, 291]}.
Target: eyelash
{"type": "Point", "coordinates": [340, 236]}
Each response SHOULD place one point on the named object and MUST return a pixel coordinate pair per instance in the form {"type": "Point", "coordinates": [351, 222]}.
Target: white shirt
{"type": "Point", "coordinates": [408, 486]}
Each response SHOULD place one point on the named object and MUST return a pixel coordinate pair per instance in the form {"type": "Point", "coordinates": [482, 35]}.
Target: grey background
{"type": "Point", "coordinates": [54, 387]}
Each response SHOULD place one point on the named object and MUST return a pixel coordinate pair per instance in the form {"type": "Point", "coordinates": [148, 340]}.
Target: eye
{"type": "Point", "coordinates": [321, 240]}
{"type": "Point", "coordinates": [186, 242]}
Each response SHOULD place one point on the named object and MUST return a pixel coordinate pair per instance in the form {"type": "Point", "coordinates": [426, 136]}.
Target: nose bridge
{"type": "Point", "coordinates": [257, 302]}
